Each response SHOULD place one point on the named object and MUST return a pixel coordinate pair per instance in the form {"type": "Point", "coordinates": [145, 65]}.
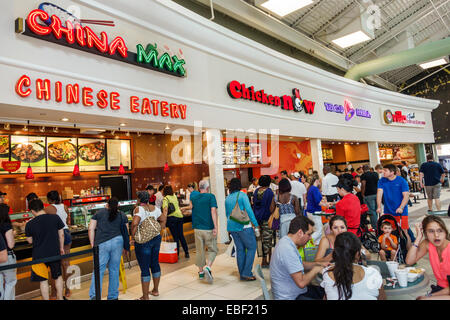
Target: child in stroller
{"type": "Point", "coordinates": [388, 242]}
{"type": "Point", "coordinates": [366, 234]}
{"type": "Point", "coordinates": [397, 232]}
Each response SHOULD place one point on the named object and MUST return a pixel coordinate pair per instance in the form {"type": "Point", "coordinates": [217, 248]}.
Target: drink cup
{"type": "Point", "coordinates": [392, 266]}
{"type": "Point", "coordinates": [402, 277]}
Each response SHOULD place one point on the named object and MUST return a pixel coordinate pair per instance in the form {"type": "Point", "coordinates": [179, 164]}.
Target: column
{"type": "Point", "coordinates": [316, 154]}
{"type": "Point", "coordinates": [215, 162]}
{"type": "Point", "coordinates": [420, 153]}
{"type": "Point", "coordinates": [374, 154]}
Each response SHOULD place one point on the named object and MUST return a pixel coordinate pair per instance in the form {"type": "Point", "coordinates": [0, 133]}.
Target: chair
{"type": "Point", "coordinates": [260, 276]}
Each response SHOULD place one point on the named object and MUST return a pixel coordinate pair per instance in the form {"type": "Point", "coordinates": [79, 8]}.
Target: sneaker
{"type": "Point", "coordinates": [209, 276]}
{"type": "Point", "coordinates": [201, 275]}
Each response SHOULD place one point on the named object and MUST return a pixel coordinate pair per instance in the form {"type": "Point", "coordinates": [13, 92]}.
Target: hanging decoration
{"type": "Point", "coordinates": [166, 167]}
{"type": "Point", "coordinates": [76, 170]}
{"type": "Point", "coordinates": [121, 169]}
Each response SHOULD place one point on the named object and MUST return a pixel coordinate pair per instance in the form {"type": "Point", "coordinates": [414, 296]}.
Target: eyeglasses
{"type": "Point", "coordinates": [438, 231]}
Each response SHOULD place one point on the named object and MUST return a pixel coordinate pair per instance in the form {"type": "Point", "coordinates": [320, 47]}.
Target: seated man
{"type": "Point", "coordinates": [287, 270]}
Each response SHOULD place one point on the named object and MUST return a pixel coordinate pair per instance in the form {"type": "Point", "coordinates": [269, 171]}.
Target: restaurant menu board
{"type": "Point", "coordinates": [92, 154]}
{"type": "Point", "coordinates": [61, 154]}
{"type": "Point", "coordinates": [29, 150]}
{"type": "Point", "coordinates": [236, 153]}
{"type": "Point", "coordinates": [327, 154]}
{"type": "Point", "coordinates": [414, 172]}
{"type": "Point", "coordinates": [4, 151]}
{"type": "Point", "coordinates": [119, 151]}
{"type": "Point", "coordinates": [386, 154]}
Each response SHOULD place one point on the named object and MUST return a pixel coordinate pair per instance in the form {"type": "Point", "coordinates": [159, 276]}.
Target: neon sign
{"type": "Point", "coordinates": [50, 28]}
{"type": "Point", "coordinates": [348, 110]}
{"type": "Point", "coordinates": [295, 102]}
{"type": "Point", "coordinates": [399, 118]}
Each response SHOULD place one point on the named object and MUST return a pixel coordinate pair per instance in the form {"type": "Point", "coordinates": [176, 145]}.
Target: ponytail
{"type": "Point", "coordinates": [113, 205]}
{"type": "Point", "coordinates": [346, 246]}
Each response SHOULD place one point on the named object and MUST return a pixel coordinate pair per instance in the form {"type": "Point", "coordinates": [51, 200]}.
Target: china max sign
{"type": "Point", "coordinates": [292, 102]}
{"type": "Point", "coordinates": [39, 24]}
{"type": "Point", "coordinates": [397, 118]}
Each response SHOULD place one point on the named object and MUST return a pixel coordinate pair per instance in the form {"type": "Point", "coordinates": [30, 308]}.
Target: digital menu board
{"type": "Point", "coordinates": [61, 154]}
{"type": "Point", "coordinates": [92, 154]}
{"type": "Point", "coordinates": [119, 151]}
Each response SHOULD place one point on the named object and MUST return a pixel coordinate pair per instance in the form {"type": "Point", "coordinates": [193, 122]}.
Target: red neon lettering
{"type": "Point", "coordinates": [245, 92]}
{"type": "Point", "coordinates": [72, 93]}
{"type": "Point", "coordinates": [79, 32]}
{"type": "Point", "coordinates": [115, 101]}
{"type": "Point", "coordinates": [58, 91]}
{"type": "Point", "coordinates": [155, 107]}
{"type": "Point", "coordinates": [287, 103]}
{"type": "Point", "coordinates": [258, 96]}
{"type": "Point", "coordinates": [101, 96]}
{"type": "Point", "coordinates": [92, 39]}
{"type": "Point", "coordinates": [234, 88]}
{"type": "Point", "coordinates": [43, 88]}
{"type": "Point", "coordinates": [277, 101]}
{"type": "Point", "coordinates": [271, 100]}
{"type": "Point", "coordinates": [134, 104]}
{"type": "Point", "coordinates": [36, 27]}
{"type": "Point", "coordinates": [146, 108]}
{"type": "Point", "coordinates": [174, 111]}
{"type": "Point", "coordinates": [87, 97]}
{"type": "Point", "coordinates": [24, 81]}
{"type": "Point", "coordinates": [182, 108]}
{"type": "Point", "coordinates": [252, 92]}
{"type": "Point", "coordinates": [58, 30]}
{"type": "Point", "coordinates": [164, 109]}
{"type": "Point", "coordinates": [118, 44]}
{"type": "Point", "coordinates": [309, 106]}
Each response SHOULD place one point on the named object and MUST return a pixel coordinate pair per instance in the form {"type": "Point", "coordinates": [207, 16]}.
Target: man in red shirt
{"type": "Point", "coordinates": [349, 206]}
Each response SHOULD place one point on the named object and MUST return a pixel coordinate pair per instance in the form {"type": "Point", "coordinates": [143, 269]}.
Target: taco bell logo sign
{"type": "Point", "coordinates": [348, 110]}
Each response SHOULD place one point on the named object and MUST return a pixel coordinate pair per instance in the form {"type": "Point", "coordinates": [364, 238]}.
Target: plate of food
{"type": "Point", "coordinates": [62, 151]}
{"type": "Point", "coordinates": [28, 152]}
{"type": "Point", "coordinates": [418, 271]}
{"type": "Point", "coordinates": [92, 152]}
{"type": "Point", "coordinates": [4, 146]}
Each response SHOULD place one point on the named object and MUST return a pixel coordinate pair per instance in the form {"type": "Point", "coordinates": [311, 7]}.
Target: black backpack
{"type": "Point", "coordinates": [170, 207]}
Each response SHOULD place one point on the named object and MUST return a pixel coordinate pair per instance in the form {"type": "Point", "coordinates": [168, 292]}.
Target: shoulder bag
{"type": "Point", "coordinates": [147, 230]}
{"type": "Point", "coordinates": [274, 219]}
{"type": "Point", "coordinates": [170, 207]}
{"type": "Point", "coordinates": [238, 215]}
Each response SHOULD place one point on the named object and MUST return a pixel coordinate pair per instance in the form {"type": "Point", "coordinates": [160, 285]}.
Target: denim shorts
{"type": "Point", "coordinates": [67, 237]}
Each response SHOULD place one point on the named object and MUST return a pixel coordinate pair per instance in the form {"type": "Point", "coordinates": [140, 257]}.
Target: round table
{"type": "Point", "coordinates": [413, 288]}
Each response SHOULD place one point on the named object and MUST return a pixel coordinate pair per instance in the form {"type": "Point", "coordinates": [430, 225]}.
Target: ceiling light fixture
{"type": "Point", "coordinates": [65, 119]}
{"type": "Point", "coordinates": [285, 7]}
{"type": "Point", "coordinates": [432, 64]}
{"type": "Point", "coordinates": [138, 134]}
{"type": "Point", "coordinates": [42, 129]}
{"type": "Point", "coordinates": [351, 39]}
{"type": "Point", "coordinates": [167, 127]}
{"type": "Point", "coordinates": [6, 126]}
{"type": "Point", "coordinates": [123, 124]}
{"type": "Point", "coordinates": [113, 131]}
{"type": "Point", "coordinates": [55, 130]}
{"type": "Point", "coordinates": [25, 128]}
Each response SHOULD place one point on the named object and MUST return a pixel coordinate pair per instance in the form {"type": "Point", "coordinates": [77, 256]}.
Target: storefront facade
{"type": "Point", "coordinates": [211, 78]}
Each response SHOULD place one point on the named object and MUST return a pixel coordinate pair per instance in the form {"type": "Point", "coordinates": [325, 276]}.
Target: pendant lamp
{"type": "Point", "coordinates": [29, 175]}
{"type": "Point", "coordinates": [76, 170]}
{"type": "Point", "coordinates": [166, 167]}
{"type": "Point", "coordinates": [121, 169]}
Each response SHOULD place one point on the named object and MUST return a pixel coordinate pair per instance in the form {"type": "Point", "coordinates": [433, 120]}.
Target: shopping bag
{"type": "Point", "coordinates": [231, 249]}
{"type": "Point", "coordinates": [168, 250]}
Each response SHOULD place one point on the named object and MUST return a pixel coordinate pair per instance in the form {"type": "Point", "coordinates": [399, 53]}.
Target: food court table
{"type": "Point", "coordinates": [413, 288]}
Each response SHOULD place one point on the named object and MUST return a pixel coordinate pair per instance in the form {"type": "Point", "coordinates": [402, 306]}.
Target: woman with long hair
{"type": "Point", "coordinates": [147, 254]}
{"type": "Point", "coordinates": [436, 243]}
{"type": "Point", "coordinates": [338, 225]}
{"type": "Point", "coordinates": [289, 206]}
{"type": "Point", "coordinates": [61, 210]}
{"type": "Point", "coordinates": [243, 234]}
{"type": "Point", "coordinates": [174, 219]}
{"type": "Point", "coordinates": [105, 232]}
{"type": "Point", "coordinates": [7, 277]}
{"type": "Point", "coordinates": [315, 201]}
{"type": "Point", "coordinates": [346, 280]}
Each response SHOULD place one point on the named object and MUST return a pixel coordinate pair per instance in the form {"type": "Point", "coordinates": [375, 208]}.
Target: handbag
{"type": "Point", "coordinates": [238, 215]}
{"type": "Point", "coordinates": [274, 219]}
{"type": "Point", "coordinates": [170, 207]}
{"type": "Point", "coordinates": [147, 230]}
{"type": "Point", "coordinates": [168, 252]}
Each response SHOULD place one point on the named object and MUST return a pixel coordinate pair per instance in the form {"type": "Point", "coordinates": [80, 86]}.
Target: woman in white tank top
{"type": "Point", "coordinates": [58, 208]}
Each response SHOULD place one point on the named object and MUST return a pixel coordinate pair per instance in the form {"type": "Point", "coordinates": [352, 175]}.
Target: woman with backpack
{"type": "Point", "coordinates": [241, 230]}
{"type": "Point", "coordinates": [147, 253]}
{"type": "Point", "coordinates": [105, 231]}
{"type": "Point", "coordinates": [288, 204]}
{"type": "Point", "coordinates": [171, 210]}
{"type": "Point", "coordinates": [263, 206]}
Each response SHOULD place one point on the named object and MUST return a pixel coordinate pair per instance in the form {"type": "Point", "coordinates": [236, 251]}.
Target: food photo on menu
{"type": "Point", "coordinates": [29, 150]}
{"type": "Point", "coordinates": [61, 154]}
{"type": "Point", "coordinates": [91, 154]}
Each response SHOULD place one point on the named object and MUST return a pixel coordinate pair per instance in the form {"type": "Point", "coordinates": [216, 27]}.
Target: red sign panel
{"type": "Point", "coordinates": [11, 166]}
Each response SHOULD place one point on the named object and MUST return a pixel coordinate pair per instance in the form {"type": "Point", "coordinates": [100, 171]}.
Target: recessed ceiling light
{"type": "Point", "coordinates": [351, 39]}
{"type": "Point", "coordinates": [65, 119]}
{"type": "Point", "coordinates": [284, 7]}
{"type": "Point", "coordinates": [123, 124]}
{"type": "Point", "coordinates": [167, 127]}
{"type": "Point", "coordinates": [432, 64]}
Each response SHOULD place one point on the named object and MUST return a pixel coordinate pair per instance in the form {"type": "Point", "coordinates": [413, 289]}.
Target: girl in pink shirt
{"type": "Point", "coordinates": [437, 245]}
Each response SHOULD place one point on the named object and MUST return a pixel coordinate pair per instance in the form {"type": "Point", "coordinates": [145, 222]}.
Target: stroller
{"type": "Point", "coordinates": [368, 238]}
{"type": "Point", "coordinates": [398, 232]}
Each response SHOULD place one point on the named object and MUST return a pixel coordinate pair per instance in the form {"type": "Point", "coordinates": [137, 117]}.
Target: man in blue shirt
{"type": "Point", "coordinates": [290, 276]}
{"type": "Point", "coordinates": [395, 191]}
{"type": "Point", "coordinates": [204, 223]}
{"type": "Point", "coordinates": [433, 174]}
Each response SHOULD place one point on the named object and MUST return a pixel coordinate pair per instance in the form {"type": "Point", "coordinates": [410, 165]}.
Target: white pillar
{"type": "Point", "coordinates": [374, 154]}
{"type": "Point", "coordinates": [316, 154]}
{"type": "Point", "coordinates": [215, 162]}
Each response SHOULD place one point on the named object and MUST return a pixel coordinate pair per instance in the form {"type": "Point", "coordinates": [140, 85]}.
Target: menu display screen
{"type": "Point", "coordinates": [119, 152]}
{"type": "Point", "coordinates": [4, 151]}
{"type": "Point", "coordinates": [92, 154]}
{"type": "Point", "coordinates": [61, 154]}
{"type": "Point", "coordinates": [29, 150]}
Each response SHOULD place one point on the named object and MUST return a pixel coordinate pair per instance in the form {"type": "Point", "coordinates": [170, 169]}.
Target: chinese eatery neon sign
{"type": "Point", "coordinates": [39, 24]}
{"type": "Point", "coordinates": [292, 102]}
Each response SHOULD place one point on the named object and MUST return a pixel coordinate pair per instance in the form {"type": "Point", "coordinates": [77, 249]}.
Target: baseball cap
{"type": "Point", "coordinates": [2, 193]}
{"type": "Point", "coordinates": [296, 174]}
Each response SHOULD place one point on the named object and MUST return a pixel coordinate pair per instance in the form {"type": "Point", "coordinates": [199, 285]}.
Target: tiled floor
{"type": "Point", "coordinates": [180, 281]}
